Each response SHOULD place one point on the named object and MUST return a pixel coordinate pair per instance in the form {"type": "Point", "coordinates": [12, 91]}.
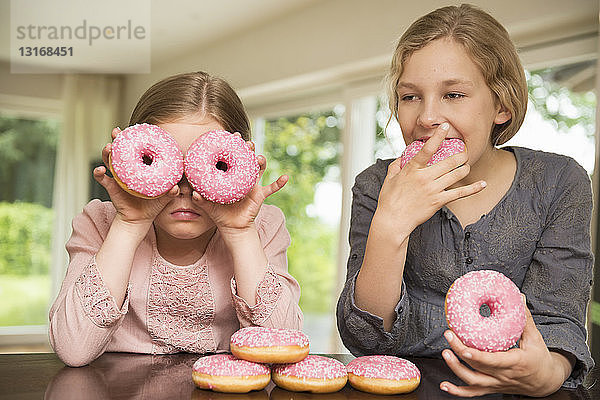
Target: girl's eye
{"type": "Point", "coordinates": [454, 95]}
{"type": "Point", "coordinates": [408, 97]}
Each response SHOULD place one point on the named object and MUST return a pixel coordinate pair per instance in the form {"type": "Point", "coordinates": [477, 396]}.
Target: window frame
{"type": "Point", "coordinates": [32, 108]}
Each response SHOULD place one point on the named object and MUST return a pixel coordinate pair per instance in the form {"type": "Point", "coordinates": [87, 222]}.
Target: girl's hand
{"type": "Point", "coordinates": [530, 369]}
{"type": "Point", "coordinates": [414, 193]}
{"type": "Point", "coordinates": [239, 216]}
{"type": "Point", "coordinates": [130, 209]}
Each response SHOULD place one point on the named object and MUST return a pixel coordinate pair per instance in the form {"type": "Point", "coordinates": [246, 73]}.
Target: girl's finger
{"type": "Point", "coordinates": [467, 375]}
{"type": "Point", "coordinates": [275, 186]}
{"type": "Point", "coordinates": [105, 153]}
{"type": "Point", "coordinates": [454, 176]}
{"type": "Point", "coordinates": [262, 163]}
{"type": "Point", "coordinates": [115, 132]}
{"type": "Point", "coordinates": [449, 164]}
{"type": "Point", "coordinates": [431, 145]}
{"type": "Point", "coordinates": [531, 336]}
{"type": "Point", "coordinates": [464, 391]}
{"type": "Point", "coordinates": [104, 180]}
{"type": "Point", "coordinates": [491, 363]}
{"type": "Point", "coordinates": [462, 191]}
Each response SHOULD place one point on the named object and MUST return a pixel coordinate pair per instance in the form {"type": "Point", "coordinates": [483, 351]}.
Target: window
{"type": "Point", "coordinates": [307, 147]}
{"type": "Point", "coordinates": [27, 155]}
{"type": "Point", "coordinates": [561, 112]}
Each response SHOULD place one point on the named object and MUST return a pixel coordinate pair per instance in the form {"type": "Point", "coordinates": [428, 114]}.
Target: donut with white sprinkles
{"type": "Point", "coordinates": [221, 167]}
{"type": "Point", "coordinates": [315, 374]}
{"type": "Point", "coordinates": [383, 374]}
{"type": "Point", "coordinates": [228, 374]}
{"type": "Point", "coordinates": [269, 345]}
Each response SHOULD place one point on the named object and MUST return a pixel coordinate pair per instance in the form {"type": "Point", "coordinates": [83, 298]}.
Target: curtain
{"type": "Point", "coordinates": [91, 104]}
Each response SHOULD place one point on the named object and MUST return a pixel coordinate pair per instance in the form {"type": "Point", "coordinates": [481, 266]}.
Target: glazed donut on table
{"type": "Point", "coordinates": [228, 374]}
{"type": "Point", "coordinates": [383, 374]}
{"type": "Point", "coordinates": [315, 374]}
{"type": "Point", "coordinates": [448, 148]}
{"type": "Point", "coordinates": [221, 167]}
{"type": "Point", "coordinates": [146, 161]}
{"type": "Point", "coordinates": [503, 327]}
{"type": "Point", "coordinates": [269, 345]}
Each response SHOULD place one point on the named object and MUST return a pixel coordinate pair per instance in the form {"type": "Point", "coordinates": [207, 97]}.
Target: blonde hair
{"type": "Point", "coordinates": [194, 93]}
{"type": "Point", "coordinates": [490, 48]}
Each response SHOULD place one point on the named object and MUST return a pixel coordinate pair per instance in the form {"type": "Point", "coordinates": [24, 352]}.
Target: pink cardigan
{"type": "Point", "coordinates": [167, 308]}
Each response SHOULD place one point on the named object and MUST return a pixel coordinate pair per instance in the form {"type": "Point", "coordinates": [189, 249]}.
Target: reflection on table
{"type": "Point", "coordinates": [137, 376]}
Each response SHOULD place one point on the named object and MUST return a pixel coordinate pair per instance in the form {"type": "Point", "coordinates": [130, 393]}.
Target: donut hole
{"type": "Point", "coordinates": [485, 310]}
{"type": "Point", "coordinates": [147, 159]}
{"type": "Point", "coordinates": [222, 166]}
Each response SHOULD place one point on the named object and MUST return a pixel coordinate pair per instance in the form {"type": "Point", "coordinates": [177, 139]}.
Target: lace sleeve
{"type": "Point", "coordinates": [98, 304]}
{"type": "Point", "coordinates": [268, 292]}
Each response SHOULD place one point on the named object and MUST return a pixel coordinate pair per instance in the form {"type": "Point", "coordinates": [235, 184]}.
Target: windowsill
{"type": "Point", "coordinates": [24, 339]}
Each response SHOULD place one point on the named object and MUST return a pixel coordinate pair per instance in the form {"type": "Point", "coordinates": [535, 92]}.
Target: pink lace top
{"type": "Point", "coordinates": [167, 308]}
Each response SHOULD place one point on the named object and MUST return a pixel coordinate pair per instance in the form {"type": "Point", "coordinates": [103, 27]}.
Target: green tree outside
{"type": "Point", "coordinates": [308, 149]}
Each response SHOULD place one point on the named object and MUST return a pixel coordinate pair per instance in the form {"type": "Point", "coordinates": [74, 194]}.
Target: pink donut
{"type": "Point", "coordinates": [315, 374]}
{"type": "Point", "coordinates": [269, 345]}
{"type": "Point", "coordinates": [383, 374]}
{"type": "Point", "coordinates": [221, 167]}
{"type": "Point", "coordinates": [146, 161]}
{"type": "Point", "coordinates": [503, 327]}
{"type": "Point", "coordinates": [225, 373]}
{"type": "Point", "coordinates": [448, 148]}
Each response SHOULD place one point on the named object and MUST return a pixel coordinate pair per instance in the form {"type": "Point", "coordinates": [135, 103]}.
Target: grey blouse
{"type": "Point", "coordinates": [538, 235]}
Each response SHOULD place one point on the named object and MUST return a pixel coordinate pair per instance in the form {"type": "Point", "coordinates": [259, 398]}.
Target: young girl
{"type": "Point", "coordinates": [456, 74]}
{"type": "Point", "coordinates": [176, 273]}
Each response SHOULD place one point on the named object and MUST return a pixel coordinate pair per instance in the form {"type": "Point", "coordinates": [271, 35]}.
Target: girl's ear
{"type": "Point", "coordinates": [502, 116]}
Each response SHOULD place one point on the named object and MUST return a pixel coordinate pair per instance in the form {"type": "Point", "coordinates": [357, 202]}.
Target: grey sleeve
{"type": "Point", "coordinates": [361, 332]}
{"type": "Point", "coordinates": [558, 281]}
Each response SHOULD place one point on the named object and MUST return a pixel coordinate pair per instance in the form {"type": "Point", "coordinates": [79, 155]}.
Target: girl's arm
{"type": "Point", "coordinates": [408, 197]}
{"type": "Point", "coordinates": [258, 263]}
{"type": "Point", "coordinates": [93, 296]}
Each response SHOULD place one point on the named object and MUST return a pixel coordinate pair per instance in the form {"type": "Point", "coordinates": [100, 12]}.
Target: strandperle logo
{"type": "Point", "coordinates": [84, 31]}
{"type": "Point", "coordinates": [84, 36]}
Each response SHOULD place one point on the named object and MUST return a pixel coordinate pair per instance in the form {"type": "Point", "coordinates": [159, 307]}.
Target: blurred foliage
{"type": "Point", "coordinates": [307, 148]}
{"type": "Point", "coordinates": [25, 236]}
{"type": "Point", "coordinates": [24, 300]}
{"type": "Point", "coordinates": [558, 104]}
{"type": "Point", "coordinates": [27, 156]}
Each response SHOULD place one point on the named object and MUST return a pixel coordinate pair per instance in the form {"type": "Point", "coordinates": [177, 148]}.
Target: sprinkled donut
{"type": "Point", "coordinates": [226, 373]}
{"type": "Point", "coordinates": [448, 148]}
{"type": "Point", "coordinates": [503, 327]}
{"type": "Point", "coordinates": [146, 161]}
{"type": "Point", "coordinates": [383, 374]}
{"type": "Point", "coordinates": [315, 374]}
{"type": "Point", "coordinates": [221, 167]}
{"type": "Point", "coordinates": [269, 345]}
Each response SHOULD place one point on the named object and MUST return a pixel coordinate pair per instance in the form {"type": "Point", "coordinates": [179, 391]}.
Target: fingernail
{"type": "Point", "coordinates": [444, 388]}
{"type": "Point", "coordinates": [448, 335]}
{"type": "Point", "coordinates": [483, 183]}
{"type": "Point", "coordinates": [467, 355]}
{"type": "Point", "coordinates": [445, 126]}
{"type": "Point", "coordinates": [446, 355]}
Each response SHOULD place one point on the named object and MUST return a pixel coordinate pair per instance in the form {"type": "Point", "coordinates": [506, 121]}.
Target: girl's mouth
{"type": "Point", "coordinates": [185, 214]}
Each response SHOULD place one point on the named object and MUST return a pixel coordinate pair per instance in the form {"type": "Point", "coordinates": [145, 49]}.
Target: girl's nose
{"type": "Point", "coordinates": [430, 116]}
{"type": "Point", "coordinates": [184, 187]}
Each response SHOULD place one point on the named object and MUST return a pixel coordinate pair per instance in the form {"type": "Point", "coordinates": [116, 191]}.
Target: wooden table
{"type": "Point", "coordinates": [136, 376]}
